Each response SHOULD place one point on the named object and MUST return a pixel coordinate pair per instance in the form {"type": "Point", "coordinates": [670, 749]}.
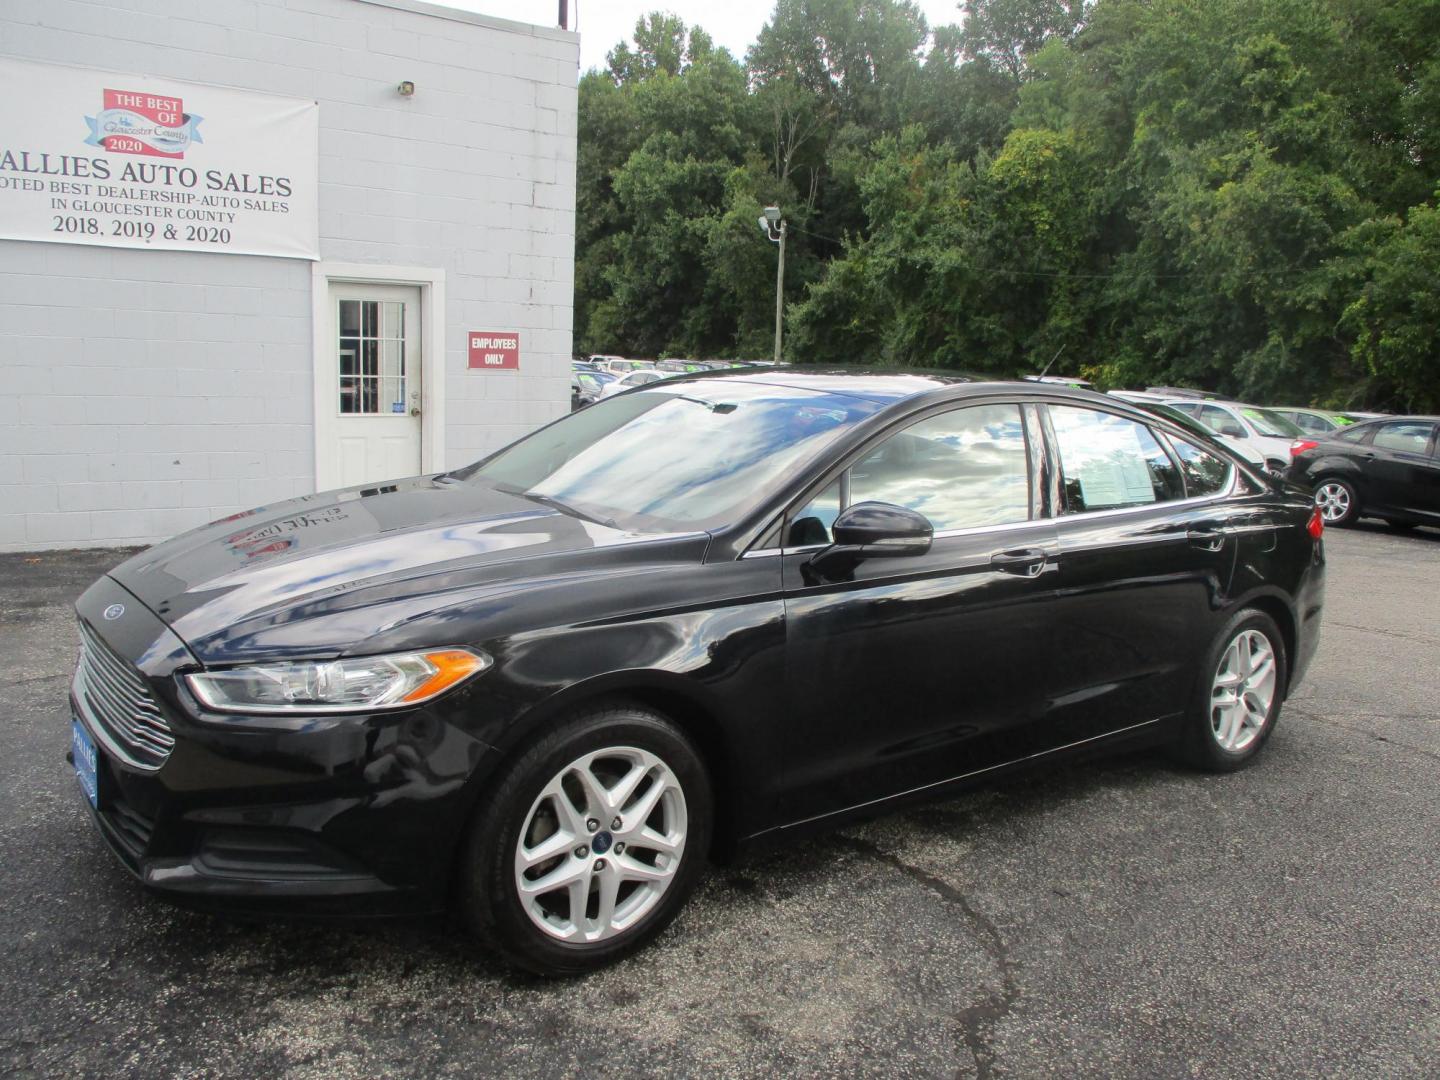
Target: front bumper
{"type": "Point", "coordinates": [356, 812]}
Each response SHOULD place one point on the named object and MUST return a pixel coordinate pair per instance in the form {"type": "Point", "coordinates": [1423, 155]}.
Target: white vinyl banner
{"type": "Point", "coordinates": [93, 157]}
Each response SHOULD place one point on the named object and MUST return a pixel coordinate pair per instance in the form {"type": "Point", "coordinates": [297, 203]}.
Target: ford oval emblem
{"type": "Point", "coordinates": [114, 611]}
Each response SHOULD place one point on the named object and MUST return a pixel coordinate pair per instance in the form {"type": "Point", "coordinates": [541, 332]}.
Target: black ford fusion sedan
{"type": "Point", "coordinates": [546, 687]}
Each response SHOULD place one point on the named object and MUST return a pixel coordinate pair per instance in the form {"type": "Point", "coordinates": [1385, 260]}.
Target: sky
{"type": "Point", "coordinates": [603, 23]}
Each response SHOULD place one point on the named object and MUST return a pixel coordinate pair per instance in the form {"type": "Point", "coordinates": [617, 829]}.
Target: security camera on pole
{"type": "Point", "coordinates": [773, 226]}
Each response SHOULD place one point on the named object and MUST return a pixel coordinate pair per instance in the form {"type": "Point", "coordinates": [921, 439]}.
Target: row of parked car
{"type": "Point", "coordinates": [1357, 463]}
{"type": "Point", "coordinates": [602, 376]}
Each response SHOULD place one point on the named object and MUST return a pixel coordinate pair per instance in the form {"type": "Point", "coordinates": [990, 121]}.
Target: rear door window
{"type": "Point", "coordinates": [1408, 436]}
{"type": "Point", "coordinates": [1110, 462]}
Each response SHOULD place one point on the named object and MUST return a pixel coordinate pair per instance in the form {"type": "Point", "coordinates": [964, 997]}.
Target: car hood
{"type": "Point", "coordinates": [320, 574]}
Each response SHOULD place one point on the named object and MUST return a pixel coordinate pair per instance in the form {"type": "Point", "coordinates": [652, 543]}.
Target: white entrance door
{"type": "Point", "coordinates": [370, 426]}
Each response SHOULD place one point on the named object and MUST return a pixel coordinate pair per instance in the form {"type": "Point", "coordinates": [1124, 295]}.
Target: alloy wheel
{"type": "Point", "coordinates": [601, 844]}
{"type": "Point", "coordinates": [1243, 691]}
{"type": "Point", "coordinates": [1333, 499]}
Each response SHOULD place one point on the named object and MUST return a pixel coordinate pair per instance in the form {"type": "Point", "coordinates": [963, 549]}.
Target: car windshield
{"type": "Point", "coordinates": [1268, 423]}
{"type": "Point", "coordinates": [673, 454]}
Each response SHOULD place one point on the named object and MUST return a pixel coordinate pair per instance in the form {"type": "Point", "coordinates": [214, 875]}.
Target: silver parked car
{"type": "Point", "coordinates": [1267, 432]}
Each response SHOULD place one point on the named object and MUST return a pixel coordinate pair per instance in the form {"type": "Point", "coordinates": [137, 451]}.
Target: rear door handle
{"type": "Point", "coordinates": [1206, 539]}
{"type": "Point", "coordinates": [1025, 562]}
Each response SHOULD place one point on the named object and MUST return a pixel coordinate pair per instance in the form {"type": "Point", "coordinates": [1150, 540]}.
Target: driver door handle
{"type": "Point", "coordinates": [1025, 562]}
{"type": "Point", "coordinates": [1207, 539]}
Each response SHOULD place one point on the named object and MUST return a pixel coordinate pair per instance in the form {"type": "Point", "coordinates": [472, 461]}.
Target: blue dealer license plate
{"type": "Point", "coordinates": [83, 750]}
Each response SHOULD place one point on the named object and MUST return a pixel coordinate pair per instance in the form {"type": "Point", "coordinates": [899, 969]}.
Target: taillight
{"type": "Point", "coordinates": [1299, 446]}
{"type": "Point", "coordinates": [1316, 525]}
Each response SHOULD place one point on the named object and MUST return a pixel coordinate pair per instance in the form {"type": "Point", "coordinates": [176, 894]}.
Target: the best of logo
{"type": "Point", "coordinates": [133, 122]}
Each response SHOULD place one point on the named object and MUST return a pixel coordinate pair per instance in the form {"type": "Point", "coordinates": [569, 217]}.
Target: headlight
{"type": "Point", "coordinates": [357, 685]}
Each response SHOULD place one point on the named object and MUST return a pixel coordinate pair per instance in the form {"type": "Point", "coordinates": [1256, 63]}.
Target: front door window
{"type": "Point", "coordinates": [372, 357]}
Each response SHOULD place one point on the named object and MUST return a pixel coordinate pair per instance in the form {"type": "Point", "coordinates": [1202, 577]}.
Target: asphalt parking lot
{"type": "Point", "coordinates": [1122, 919]}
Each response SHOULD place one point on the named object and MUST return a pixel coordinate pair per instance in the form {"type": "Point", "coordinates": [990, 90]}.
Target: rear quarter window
{"type": "Point", "coordinates": [1203, 472]}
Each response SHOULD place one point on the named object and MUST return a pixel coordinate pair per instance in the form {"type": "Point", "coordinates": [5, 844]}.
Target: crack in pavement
{"type": "Point", "coordinates": [1417, 638]}
{"type": "Point", "coordinates": [978, 1021]}
{"type": "Point", "coordinates": [1320, 719]}
{"type": "Point", "coordinates": [32, 679]}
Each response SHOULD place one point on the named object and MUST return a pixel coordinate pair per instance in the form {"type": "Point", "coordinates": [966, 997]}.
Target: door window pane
{"type": "Point", "coordinates": [1204, 473]}
{"type": "Point", "coordinates": [372, 357]}
{"type": "Point", "coordinates": [1221, 422]}
{"type": "Point", "coordinates": [1408, 436]}
{"type": "Point", "coordinates": [961, 469]}
{"type": "Point", "coordinates": [1109, 462]}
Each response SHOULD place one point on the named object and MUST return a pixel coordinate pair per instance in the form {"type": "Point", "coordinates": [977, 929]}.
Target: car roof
{"type": "Point", "coordinates": [1418, 418]}
{"type": "Point", "coordinates": [1219, 401]}
{"type": "Point", "coordinates": [887, 386]}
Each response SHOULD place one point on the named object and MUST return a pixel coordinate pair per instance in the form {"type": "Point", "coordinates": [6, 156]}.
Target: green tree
{"type": "Point", "coordinates": [1238, 194]}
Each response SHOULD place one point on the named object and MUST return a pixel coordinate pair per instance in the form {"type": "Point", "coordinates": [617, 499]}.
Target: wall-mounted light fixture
{"type": "Point", "coordinates": [406, 89]}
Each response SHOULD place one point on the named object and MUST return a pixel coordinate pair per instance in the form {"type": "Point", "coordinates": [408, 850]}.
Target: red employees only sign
{"type": "Point", "coordinates": [494, 350]}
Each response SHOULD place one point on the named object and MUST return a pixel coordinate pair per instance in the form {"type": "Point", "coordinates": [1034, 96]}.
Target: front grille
{"type": "Point", "coordinates": [119, 704]}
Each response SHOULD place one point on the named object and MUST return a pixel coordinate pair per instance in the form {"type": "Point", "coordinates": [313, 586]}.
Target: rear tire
{"type": "Point", "coordinates": [1337, 501]}
{"type": "Point", "coordinates": [589, 843]}
{"type": "Point", "coordinates": [1238, 694]}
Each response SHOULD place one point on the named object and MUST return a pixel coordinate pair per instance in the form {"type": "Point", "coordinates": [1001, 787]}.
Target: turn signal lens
{"type": "Point", "coordinates": [1316, 525]}
{"type": "Point", "coordinates": [1299, 446]}
{"type": "Point", "coordinates": [358, 684]}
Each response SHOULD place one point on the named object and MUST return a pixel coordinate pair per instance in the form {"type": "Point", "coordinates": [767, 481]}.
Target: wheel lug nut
{"type": "Point", "coordinates": [581, 851]}
{"type": "Point", "coordinates": [616, 823]}
{"type": "Point", "coordinates": [593, 825]}
{"type": "Point", "coordinates": [620, 848]}
{"type": "Point", "coordinates": [599, 864]}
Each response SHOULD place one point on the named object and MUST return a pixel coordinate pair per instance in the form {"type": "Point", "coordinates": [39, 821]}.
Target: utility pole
{"type": "Point", "coordinates": [773, 225]}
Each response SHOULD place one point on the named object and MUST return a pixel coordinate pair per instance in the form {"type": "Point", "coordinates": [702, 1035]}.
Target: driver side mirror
{"type": "Point", "coordinates": [872, 530]}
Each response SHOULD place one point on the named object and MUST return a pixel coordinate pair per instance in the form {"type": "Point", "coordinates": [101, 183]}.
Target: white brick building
{"type": "Point", "coordinates": [149, 391]}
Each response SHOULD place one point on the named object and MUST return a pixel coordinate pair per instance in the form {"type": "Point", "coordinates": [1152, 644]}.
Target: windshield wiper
{"type": "Point", "coordinates": [566, 508]}
{"type": "Point", "coordinates": [714, 406]}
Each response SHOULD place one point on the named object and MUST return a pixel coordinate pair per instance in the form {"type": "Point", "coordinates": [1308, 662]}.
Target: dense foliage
{"type": "Point", "coordinates": [1237, 194]}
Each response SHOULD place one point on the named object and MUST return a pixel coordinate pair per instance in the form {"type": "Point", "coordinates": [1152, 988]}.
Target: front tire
{"type": "Point", "coordinates": [1338, 502]}
{"type": "Point", "coordinates": [1238, 696]}
{"type": "Point", "coordinates": [589, 844]}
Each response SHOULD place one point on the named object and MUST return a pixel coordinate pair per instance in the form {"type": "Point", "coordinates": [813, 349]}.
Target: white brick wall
{"type": "Point", "coordinates": [146, 392]}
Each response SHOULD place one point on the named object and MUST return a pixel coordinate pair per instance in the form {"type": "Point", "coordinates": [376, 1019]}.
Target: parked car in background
{"type": "Point", "coordinates": [586, 387]}
{"type": "Point", "coordinates": [627, 382]}
{"type": "Point", "coordinates": [1313, 421]}
{"type": "Point", "coordinates": [1168, 392]}
{"type": "Point", "coordinates": [545, 687]}
{"type": "Point", "coordinates": [619, 365]}
{"type": "Point", "coordinates": [1239, 447]}
{"type": "Point", "coordinates": [1387, 468]}
{"type": "Point", "coordinates": [681, 367]}
{"type": "Point", "coordinates": [1267, 433]}
{"type": "Point", "coordinates": [1060, 380]}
